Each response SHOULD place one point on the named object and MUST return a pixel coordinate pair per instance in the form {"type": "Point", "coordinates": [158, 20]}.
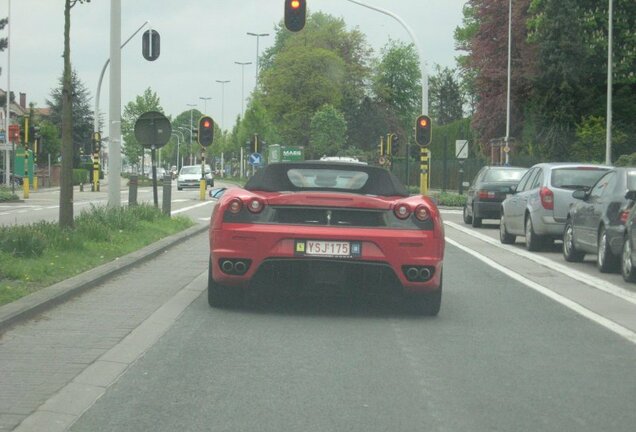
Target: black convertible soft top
{"type": "Point", "coordinates": [362, 178]}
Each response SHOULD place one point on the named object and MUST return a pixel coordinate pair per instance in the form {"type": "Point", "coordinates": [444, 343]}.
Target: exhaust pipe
{"type": "Point", "coordinates": [425, 274]}
{"type": "Point", "coordinates": [227, 266]}
{"type": "Point", "coordinates": [240, 267]}
{"type": "Point", "coordinates": [412, 273]}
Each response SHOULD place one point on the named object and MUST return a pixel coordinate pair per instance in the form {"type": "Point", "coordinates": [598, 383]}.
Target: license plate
{"type": "Point", "coordinates": [327, 248]}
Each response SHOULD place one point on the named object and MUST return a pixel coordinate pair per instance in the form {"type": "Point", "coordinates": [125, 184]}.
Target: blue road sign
{"type": "Point", "coordinates": [255, 159]}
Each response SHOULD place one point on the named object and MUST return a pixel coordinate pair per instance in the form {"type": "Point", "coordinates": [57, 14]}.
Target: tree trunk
{"type": "Point", "coordinates": [66, 175]}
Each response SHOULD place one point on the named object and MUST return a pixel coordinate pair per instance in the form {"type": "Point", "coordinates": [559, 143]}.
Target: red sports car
{"type": "Point", "coordinates": [317, 225]}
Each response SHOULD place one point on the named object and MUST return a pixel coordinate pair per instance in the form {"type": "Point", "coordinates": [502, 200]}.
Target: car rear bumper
{"type": "Point", "coordinates": [385, 256]}
{"type": "Point", "coordinates": [487, 209]}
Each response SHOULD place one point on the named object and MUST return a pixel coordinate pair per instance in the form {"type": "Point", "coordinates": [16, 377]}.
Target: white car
{"type": "Point", "coordinates": [190, 177]}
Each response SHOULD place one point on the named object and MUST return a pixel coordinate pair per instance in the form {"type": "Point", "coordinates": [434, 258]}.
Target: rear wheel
{"type": "Point", "coordinates": [605, 261]}
{"type": "Point", "coordinates": [467, 218]}
{"type": "Point", "coordinates": [476, 220]}
{"type": "Point", "coordinates": [569, 250]}
{"type": "Point", "coordinates": [628, 266]}
{"type": "Point", "coordinates": [427, 304]}
{"type": "Point", "coordinates": [504, 237]}
{"type": "Point", "coordinates": [222, 296]}
{"type": "Point", "coordinates": [534, 242]}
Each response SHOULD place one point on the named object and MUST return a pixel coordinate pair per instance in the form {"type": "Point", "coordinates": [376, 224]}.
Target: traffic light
{"type": "Point", "coordinates": [295, 12]}
{"type": "Point", "coordinates": [381, 146]}
{"type": "Point", "coordinates": [150, 45]}
{"type": "Point", "coordinates": [394, 143]}
{"type": "Point", "coordinates": [97, 142]}
{"type": "Point", "coordinates": [423, 133]}
{"type": "Point", "coordinates": [205, 134]}
{"type": "Point", "coordinates": [255, 144]}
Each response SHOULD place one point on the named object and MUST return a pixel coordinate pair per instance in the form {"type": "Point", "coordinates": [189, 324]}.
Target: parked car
{"type": "Point", "coordinates": [539, 204]}
{"type": "Point", "coordinates": [628, 256]}
{"type": "Point", "coordinates": [190, 177]}
{"type": "Point", "coordinates": [488, 189]}
{"type": "Point", "coordinates": [596, 221]}
{"type": "Point", "coordinates": [315, 226]}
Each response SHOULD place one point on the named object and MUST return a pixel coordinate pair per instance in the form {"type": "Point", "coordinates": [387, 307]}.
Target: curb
{"type": "Point", "coordinates": [39, 301]}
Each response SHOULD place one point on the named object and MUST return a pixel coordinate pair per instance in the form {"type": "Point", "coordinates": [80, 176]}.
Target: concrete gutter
{"type": "Point", "coordinates": [39, 301]}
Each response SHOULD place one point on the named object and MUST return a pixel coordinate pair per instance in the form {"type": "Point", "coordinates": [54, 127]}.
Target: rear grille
{"type": "Point", "coordinates": [329, 217]}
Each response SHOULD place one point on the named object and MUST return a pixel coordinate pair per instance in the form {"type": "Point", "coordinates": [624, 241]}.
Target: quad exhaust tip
{"type": "Point", "coordinates": [418, 273]}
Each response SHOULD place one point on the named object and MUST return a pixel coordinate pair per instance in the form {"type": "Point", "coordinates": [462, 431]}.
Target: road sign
{"type": "Point", "coordinates": [153, 129]}
{"type": "Point", "coordinates": [461, 149]}
{"type": "Point", "coordinates": [506, 149]}
{"type": "Point", "coordinates": [291, 154]}
{"type": "Point", "coordinates": [150, 45]}
{"type": "Point", "coordinates": [14, 133]}
{"type": "Point", "coordinates": [255, 159]}
{"type": "Point", "coordinates": [3, 136]}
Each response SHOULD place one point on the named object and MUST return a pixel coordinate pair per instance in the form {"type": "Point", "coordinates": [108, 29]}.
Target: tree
{"type": "Point", "coordinates": [148, 101]}
{"type": "Point", "coordinates": [50, 143]}
{"type": "Point", "coordinates": [66, 174]}
{"type": "Point", "coordinates": [4, 42]}
{"type": "Point", "coordinates": [328, 132]}
{"type": "Point", "coordinates": [81, 111]}
{"type": "Point", "coordinates": [446, 98]}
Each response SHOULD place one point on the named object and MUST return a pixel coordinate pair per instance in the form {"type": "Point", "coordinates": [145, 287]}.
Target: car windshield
{"type": "Point", "coordinates": [191, 170]}
{"type": "Point", "coordinates": [576, 177]}
{"type": "Point", "coordinates": [504, 175]}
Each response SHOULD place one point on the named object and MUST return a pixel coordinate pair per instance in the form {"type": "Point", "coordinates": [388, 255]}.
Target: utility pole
{"type": "Point", "coordinates": [222, 82]}
{"type": "Point", "coordinates": [242, 64]}
{"type": "Point", "coordinates": [114, 135]}
{"type": "Point", "coordinates": [205, 103]}
{"type": "Point", "coordinates": [610, 68]}
{"type": "Point", "coordinates": [7, 120]}
{"type": "Point", "coordinates": [258, 38]}
{"type": "Point", "coordinates": [191, 126]}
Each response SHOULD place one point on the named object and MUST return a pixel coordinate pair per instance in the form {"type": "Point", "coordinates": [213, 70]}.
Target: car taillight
{"type": "Point", "coordinates": [422, 213]}
{"type": "Point", "coordinates": [547, 198]}
{"type": "Point", "coordinates": [235, 206]}
{"type": "Point", "coordinates": [402, 211]}
{"type": "Point", "coordinates": [484, 194]}
{"type": "Point", "coordinates": [256, 205]}
{"type": "Point", "coordinates": [623, 216]}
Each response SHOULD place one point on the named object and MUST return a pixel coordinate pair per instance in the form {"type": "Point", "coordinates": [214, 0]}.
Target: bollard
{"type": "Point", "coordinates": [167, 194]}
{"type": "Point", "coordinates": [132, 190]}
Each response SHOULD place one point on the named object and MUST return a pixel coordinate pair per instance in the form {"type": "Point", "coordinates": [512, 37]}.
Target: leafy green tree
{"type": "Point", "coordinates": [148, 101]}
{"type": "Point", "coordinates": [50, 143]}
{"type": "Point", "coordinates": [590, 139]}
{"type": "Point", "coordinates": [328, 132]}
{"type": "Point", "coordinates": [446, 99]}
{"type": "Point", "coordinates": [83, 116]}
{"type": "Point", "coordinates": [66, 174]}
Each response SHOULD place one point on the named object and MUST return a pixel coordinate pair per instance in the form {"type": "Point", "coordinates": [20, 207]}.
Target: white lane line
{"type": "Point", "coordinates": [185, 209]}
{"type": "Point", "coordinates": [608, 324]}
{"type": "Point", "coordinates": [585, 278]}
{"type": "Point", "coordinates": [444, 211]}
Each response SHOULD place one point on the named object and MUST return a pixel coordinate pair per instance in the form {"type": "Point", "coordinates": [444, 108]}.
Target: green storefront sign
{"type": "Point", "coordinates": [291, 154]}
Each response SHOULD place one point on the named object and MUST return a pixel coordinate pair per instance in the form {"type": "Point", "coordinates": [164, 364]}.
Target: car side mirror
{"type": "Point", "coordinates": [579, 194]}
{"type": "Point", "coordinates": [631, 195]}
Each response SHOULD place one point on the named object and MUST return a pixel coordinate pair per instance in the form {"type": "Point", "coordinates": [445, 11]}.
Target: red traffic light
{"type": "Point", "coordinates": [206, 131]}
{"type": "Point", "coordinates": [295, 4]}
{"type": "Point", "coordinates": [423, 132]}
{"type": "Point", "coordinates": [295, 14]}
{"type": "Point", "coordinates": [206, 123]}
{"type": "Point", "coordinates": [423, 122]}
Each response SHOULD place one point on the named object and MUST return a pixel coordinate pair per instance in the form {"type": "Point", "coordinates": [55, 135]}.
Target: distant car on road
{"type": "Point", "coordinates": [190, 177]}
{"type": "Point", "coordinates": [596, 221]}
{"type": "Point", "coordinates": [489, 188]}
{"type": "Point", "coordinates": [539, 204]}
{"type": "Point", "coordinates": [320, 226]}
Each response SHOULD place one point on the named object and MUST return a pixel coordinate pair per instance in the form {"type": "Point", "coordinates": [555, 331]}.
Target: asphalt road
{"type": "Point", "coordinates": [521, 344]}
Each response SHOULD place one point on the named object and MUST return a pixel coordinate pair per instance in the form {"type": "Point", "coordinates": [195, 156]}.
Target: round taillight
{"type": "Point", "coordinates": [402, 211]}
{"type": "Point", "coordinates": [421, 213]}
{"type": "Point", "coordinates": [235, 206]}
{"type": "Point", "coordinates": [256, 205]}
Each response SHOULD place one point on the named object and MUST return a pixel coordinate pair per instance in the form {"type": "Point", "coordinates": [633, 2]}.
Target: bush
{"type": "Point", "coordinates": [626, 160]}
{"type": "Point", "coordinates": [449, 199]}
{"type": "Point", "coordinates": [22, 241]}
{"type": "Point", "coordinates": [80, 176]}
{"type": "Point", "coordinates": [6, 195]}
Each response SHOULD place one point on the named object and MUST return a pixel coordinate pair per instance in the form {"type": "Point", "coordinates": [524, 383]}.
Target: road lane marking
{"type": "Point", "coordinates": [570, 304]}
{"type": "Point", "coordinates": [185, 209]}
{"type": "Point", "coordinates": [585, 278]}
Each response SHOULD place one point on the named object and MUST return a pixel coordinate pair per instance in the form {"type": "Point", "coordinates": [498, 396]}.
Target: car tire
{"type": "Point", "coordinates": [570, 253]}
{"type": "Point", "coordinates": [467, 219]}
{"type": "Point", "coordinates": [534, 242]}
{"type": "Point", "coordinates": [223, 296]}
{"type": "Point", "coordinates": [426, 304]}
{"type": "Point", "coordinates": [606, 261]}
{"type": "Point", "coordinates": [628, 267]}
{"type": "Point", "coordinates": [476, 220]}
{"type": "Point", "coordinates": [504, 236]}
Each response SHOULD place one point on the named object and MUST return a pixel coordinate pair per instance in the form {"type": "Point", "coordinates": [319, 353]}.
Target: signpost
{"type": "Point", "coordinates": [153, 131]}
{"type": "Point", "coordinates": [461, 153]}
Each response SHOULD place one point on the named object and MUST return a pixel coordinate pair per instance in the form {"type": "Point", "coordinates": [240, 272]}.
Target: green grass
{"type": "Point", "coordinates": [6, 195]}
{"type": "Point", "coordinates": [35, 256]}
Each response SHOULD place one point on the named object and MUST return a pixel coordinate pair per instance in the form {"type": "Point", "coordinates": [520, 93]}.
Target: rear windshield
{"type": "Point", "coordinates": [576, 177]}
{"type": "Point", "coordinates": [504, 175]}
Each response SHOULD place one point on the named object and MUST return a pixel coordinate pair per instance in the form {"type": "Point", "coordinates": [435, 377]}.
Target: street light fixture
{"type": "Point", "coordinates": [191, 109]}
{"type": "Point", "coordinates": [258, 37]}
{"type": "Point", "coordinates": [205, 103]}
{"type": "Point", "coordinates": [242, 64]}
{"type": "Point", "coordinates": [222, 82]}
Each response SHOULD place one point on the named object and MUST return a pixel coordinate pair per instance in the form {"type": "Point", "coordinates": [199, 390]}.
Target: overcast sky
{"type": "Point", "coordinates": [200, 41]}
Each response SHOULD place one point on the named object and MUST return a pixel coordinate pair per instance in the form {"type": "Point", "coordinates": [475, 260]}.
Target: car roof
{"type": "Point", "coordinates": [553, 165]}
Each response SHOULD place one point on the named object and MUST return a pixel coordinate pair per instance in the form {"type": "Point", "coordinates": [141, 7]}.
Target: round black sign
{"type": "Point", "coordinates": [153, 129]}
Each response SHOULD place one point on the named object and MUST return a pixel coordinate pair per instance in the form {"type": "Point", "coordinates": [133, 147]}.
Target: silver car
{"type": "Point", "coordinates": [538, 206]}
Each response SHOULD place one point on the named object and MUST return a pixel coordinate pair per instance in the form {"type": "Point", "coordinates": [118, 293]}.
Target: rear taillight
{"type": "Point", "coordinates": [402, 211]}
{"type": "Point", "coordinates": [484, 194]}
{"type": "Point", "coordinates": [256, 205]}
{"type": "Point", "coordinates": [235, 206]}
{"type": "Point", "coordinates": [547, 198]}
{"type": "Point", "coordinates": [422, 213]}
{"type": "Point", "coordinates": [623, 216]}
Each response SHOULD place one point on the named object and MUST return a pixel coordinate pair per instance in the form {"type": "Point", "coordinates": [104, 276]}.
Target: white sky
{"type": "Point", "coordinates": [200, 41]}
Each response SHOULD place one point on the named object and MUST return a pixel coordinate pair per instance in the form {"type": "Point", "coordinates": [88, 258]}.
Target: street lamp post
{"type": "Point", "coordinates": [205, 103]}
{"type": "Point", "coordinates": [242, 64]}
{"type": "Point", "coordinates": [175, 132]}
{"type": "Point", "coordinates": [191, 109]}
{"type": "Point", "coordinates": [608, 126]}
{"type": "Point", "coordinates": [507, 148]}
{"type": "Point", "coordinates": [258, 38]}
{"type": "Point", "coordinates": [222, 82]}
